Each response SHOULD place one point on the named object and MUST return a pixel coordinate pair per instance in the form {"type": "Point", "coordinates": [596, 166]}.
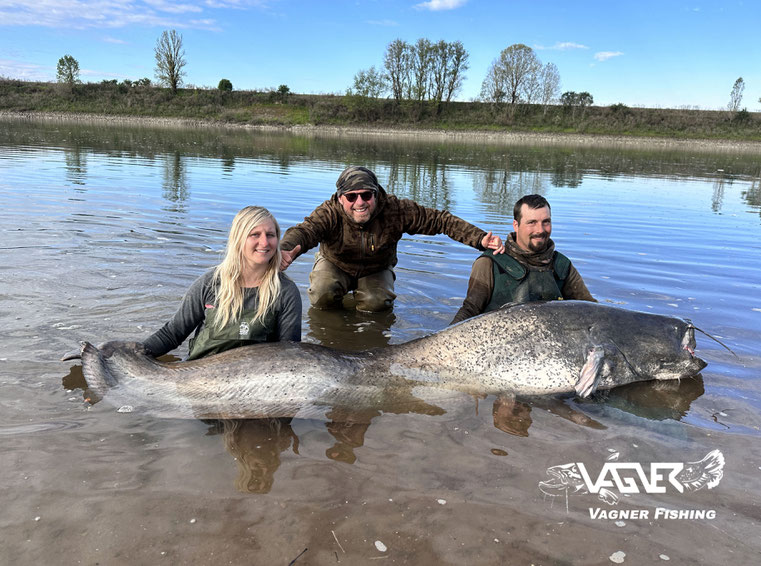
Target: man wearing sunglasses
{"type": "Point", "coordinates": [358, 229]}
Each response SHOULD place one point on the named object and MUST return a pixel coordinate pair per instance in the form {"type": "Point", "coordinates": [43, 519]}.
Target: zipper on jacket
{"type": "Point", "coordinates": [362, 235]}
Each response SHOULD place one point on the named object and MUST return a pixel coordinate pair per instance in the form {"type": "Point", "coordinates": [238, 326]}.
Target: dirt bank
{"type": "Point", "coordinates": [468, 136]}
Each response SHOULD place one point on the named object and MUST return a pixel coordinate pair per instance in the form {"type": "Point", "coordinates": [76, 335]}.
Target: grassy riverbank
{"type": "Point", "coordinates": [280, 109]}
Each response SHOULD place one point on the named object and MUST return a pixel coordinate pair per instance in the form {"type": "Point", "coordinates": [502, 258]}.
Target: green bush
{"type": "Point", "coordinates": [225, 85]}
{"type": "Point", "coordinates": [742, 117]}
{"type": "Point", "coordinates": [620, 109]}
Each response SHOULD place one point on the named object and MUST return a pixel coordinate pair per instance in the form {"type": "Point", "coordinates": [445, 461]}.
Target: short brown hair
{"type": "Point", "coordinates": [532, 201]}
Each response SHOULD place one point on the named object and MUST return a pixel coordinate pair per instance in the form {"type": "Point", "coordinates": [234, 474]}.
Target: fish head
{"type": "Point", "coordinates": [676, 359]}
{"type": "Point", "coordinates": [563, 478]}
{"type": "Point", "coordinates": [663, 348]}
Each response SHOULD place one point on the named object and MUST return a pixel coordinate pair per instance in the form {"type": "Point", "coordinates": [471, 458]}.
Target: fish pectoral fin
{"type": "Point", "coordinates": [589, 376]}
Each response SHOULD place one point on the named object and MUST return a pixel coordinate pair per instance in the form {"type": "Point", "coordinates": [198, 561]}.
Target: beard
{"type": "Point", "coordinates": [539, 244]}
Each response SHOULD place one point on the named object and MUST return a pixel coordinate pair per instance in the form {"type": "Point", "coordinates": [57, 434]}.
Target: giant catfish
{"type": "Point", "coordinates": [554, 347]}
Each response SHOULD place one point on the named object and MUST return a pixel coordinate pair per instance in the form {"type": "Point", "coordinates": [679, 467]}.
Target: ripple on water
{"type": "Point", "coordinates": [37, 428]}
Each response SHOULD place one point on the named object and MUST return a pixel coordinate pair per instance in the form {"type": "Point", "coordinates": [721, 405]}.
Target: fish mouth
{"type": "Point", "coordinates": [688, 340]}
{"type": "Point", "coordinates": [557, 482]}
{"type": "Point", "coordinates": [551, 487]}
{"type": "Point", "coordinates": [688, 343]}
{"type": "Point", "coordinates": [699, 364]}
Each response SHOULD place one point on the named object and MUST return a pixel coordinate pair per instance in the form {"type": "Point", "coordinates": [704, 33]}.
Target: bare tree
{"type": "Point", "coordinates": [736, 96]}
{"type": "Point", "coordinates": [370, 83]}
{"type": "Point", "coordinates": [396, 61]}
{"type": "Point", "coordinates": [457, 64]}
{"type": "Point", "coordinates": [170, 59]}
{"type": "Point", "coordinates": [513, 75]}
{"type": "Point", "coordinates": [492, 87]}
{"type": "Point", "coordinates": [532, 87]}
{"type": "Point", "coordinates": [420, 68]}
{"type": "Point", "coordinates": [550, 85]}
{"type": "Point", "coordinates": [425, 70]}
{"type": "Point", "coordinates": [439, 67]}
{"type": "Point", "coordinates": [67, 71]}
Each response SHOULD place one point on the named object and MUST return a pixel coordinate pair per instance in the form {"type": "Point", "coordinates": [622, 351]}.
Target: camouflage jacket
{"type": "Point", "coordinates": [364, 249]}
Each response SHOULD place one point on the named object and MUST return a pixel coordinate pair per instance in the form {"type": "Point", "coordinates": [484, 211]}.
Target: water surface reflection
{"type": "Point", "coordinates": [102, 230]}
{"type": "Point", "coordinates": [256, 446]}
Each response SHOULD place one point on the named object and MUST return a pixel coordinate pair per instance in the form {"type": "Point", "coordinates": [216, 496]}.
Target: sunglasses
{"type": "Point", "coordinates": [366, 196]}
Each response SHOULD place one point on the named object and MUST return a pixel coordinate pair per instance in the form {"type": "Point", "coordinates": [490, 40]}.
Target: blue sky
{"type": "Point", "coordinates": [665, 53]}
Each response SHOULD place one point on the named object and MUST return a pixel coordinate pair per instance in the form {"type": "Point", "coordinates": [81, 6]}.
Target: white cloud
{"type": "Point", "coordinates": [207, 24]}
{"type": "Point", "coordinates": [113, 14]}
{"type": "Point", "coordinates": [605, 55]}
{"type": "Point", "coordinates": [25, 71]}
{"type": "Point", "coordinates": [241, 4]}
{"type": "Point", "coordinates": [172, 7]}
{"type": "Point", "coordinates": [438, 5]}
{"type": "Point", "coordinates": [562, 46]}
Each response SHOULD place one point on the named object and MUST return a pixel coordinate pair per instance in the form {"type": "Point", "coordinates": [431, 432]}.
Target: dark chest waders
{"type": "Point", "coordinates": [518, 283]}
{"type": "Point", "coordinates": [237, 332]}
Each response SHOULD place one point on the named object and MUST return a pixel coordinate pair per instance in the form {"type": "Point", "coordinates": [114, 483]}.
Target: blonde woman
{"type": "Point", "coordinates": [244, 300]}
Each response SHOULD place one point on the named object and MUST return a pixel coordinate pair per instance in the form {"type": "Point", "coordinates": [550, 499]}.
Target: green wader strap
{"type": "Point", "coordinates": [236, 333]}
{"type": "Point", "coordinates": [514, 283]}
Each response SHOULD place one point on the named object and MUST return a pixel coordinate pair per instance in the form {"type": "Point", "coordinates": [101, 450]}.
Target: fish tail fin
{"type": "Point", "coordinates": [74, 354]}
{"type": "Point", "coordinates": [714, 467]}
{"type": "Point", "coordinates": [96, 372]}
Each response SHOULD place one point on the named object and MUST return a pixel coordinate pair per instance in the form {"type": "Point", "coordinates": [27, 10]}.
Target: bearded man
{"type": "Point", "coordinates": [357, 230]}
{"type": "Point", "coordinates": [529, 270]}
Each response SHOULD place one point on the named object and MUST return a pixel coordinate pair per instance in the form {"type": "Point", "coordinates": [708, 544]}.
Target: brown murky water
{"type": "Point", "coordinates": [102, 230]}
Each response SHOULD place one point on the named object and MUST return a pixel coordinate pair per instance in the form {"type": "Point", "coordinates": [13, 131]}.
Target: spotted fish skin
{"type": "Point", "coordinates": [532, 349]}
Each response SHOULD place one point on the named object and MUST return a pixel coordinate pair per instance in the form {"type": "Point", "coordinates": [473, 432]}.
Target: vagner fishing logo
{"type": "Point", "coordinates": [628, 478]}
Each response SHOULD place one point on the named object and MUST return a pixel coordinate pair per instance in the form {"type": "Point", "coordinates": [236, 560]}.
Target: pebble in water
{"type": "Point", "coordinates": [618, 557]}
{"type": "Point", "coordinates": [380, 546]}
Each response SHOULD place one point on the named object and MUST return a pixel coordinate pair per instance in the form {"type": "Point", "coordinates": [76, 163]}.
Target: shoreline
{"type": "Point", "coordinates": [465, 136]}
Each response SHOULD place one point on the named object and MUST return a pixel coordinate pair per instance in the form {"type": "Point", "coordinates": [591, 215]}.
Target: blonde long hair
{"type": "Point", "coordinates": [228, 275]}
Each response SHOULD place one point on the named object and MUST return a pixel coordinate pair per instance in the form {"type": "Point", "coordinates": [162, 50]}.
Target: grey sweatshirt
{"type": "Point", "coordinates": [190, 316]}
